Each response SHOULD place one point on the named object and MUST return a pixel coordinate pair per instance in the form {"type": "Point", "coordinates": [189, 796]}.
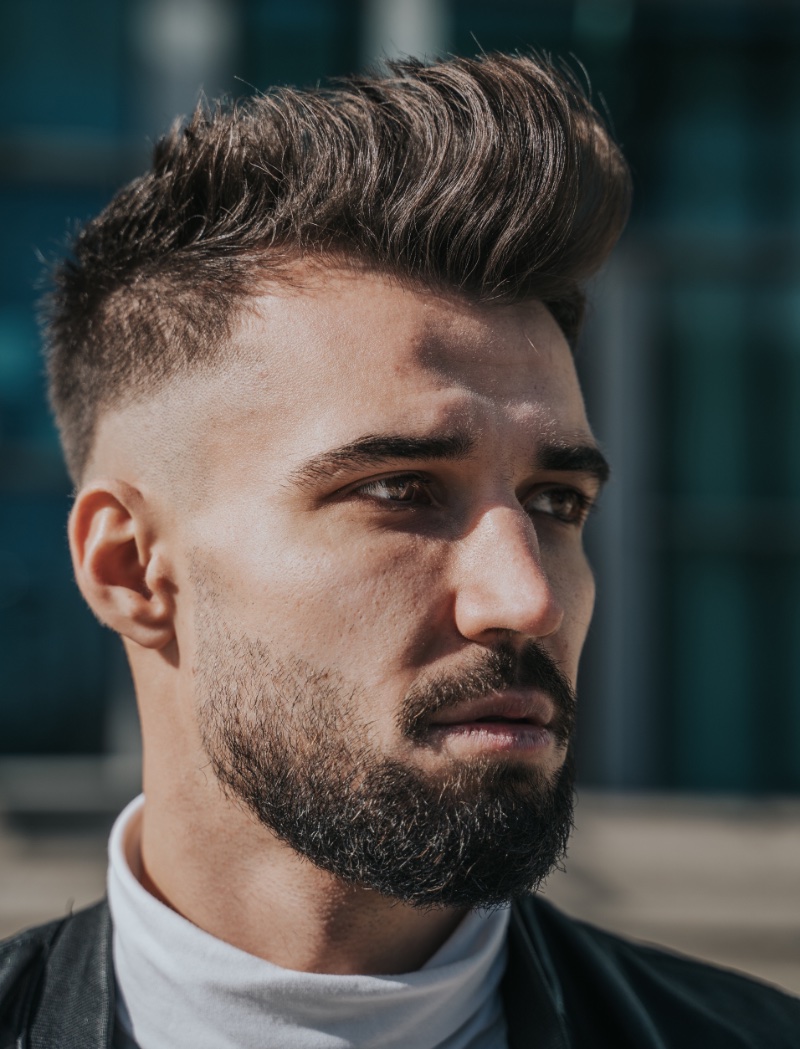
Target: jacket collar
{"type": "Point", "coordinates": [79, 975]}
{"type": "Point", "coordinates": [77, 1010]}
{"type": "Point", "coordinates": [531, 993]}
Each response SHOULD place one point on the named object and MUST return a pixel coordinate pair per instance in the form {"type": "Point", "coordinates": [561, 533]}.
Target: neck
{"type": "Point", "coordinates": [210, 861]}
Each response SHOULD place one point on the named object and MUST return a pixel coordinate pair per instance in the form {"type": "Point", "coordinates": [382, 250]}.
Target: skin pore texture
{"type": "Point", "coordinates": [241, 504]}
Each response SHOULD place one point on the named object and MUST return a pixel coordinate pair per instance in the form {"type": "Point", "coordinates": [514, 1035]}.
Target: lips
{"type": "Point", "coordinates": [510, 707]}
{"type": "Point", "coordinates": [505, 693]}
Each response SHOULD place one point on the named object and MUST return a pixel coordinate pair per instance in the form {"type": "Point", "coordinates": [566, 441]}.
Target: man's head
{"type": "Point", "coordinates": [314, 381]}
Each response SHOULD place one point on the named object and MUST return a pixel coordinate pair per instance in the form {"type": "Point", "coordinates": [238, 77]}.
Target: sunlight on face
{"type": "Point", "coordinates": [387, 494]}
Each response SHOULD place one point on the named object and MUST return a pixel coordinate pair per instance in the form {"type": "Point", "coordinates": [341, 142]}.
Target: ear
{"type": "Point", "coordinates": [116, 566]}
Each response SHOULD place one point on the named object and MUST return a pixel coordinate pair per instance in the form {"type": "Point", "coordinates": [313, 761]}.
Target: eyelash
{"type": "Point", "coordinates": [584, 504]}
{"type": "Point", "coordinates": [396, 480]}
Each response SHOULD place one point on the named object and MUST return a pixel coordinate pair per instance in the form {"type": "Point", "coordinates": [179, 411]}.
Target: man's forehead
{"type": "Point", "coordinates": [315, 367]}
{"type": "Point", "coordinates": [367, 328]}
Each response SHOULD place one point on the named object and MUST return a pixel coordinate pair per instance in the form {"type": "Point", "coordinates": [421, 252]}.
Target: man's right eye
{"type": "Point", "coordinates": [399, 492]}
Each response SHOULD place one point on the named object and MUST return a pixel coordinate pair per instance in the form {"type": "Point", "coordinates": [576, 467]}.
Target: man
{"type": "Point", "coordinates": [314, 381]}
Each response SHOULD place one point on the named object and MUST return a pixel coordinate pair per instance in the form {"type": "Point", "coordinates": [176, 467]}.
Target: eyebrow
{"type": "Point", "coordinates": [379, 449]}
{"type": "Point", "coordinates": [382, 449]}
{"type": "Point", "coordinates": [575, 458]}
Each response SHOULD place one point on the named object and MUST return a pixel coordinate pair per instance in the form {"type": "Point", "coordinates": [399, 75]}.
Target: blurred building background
{"type": "Point", "coordinates": [691, 359]}
{"type": "Point", "coordinates": [691, 356]}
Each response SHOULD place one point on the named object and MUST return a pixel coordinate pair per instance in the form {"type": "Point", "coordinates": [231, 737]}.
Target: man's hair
{"type": "Point", "coordinates": [492, 177]}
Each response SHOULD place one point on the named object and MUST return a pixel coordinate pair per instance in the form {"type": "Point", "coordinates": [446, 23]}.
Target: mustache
{"type": "Point", "coordinates": [502, 668]}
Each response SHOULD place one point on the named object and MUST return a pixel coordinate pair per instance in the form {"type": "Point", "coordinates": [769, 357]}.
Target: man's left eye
{"type": "Point", "coordinates": [400, 491]}
{"type": "Point", "coordinates": [565, 504]}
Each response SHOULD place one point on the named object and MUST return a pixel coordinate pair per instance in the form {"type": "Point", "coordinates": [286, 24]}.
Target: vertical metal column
{"type": "Point", "coordinates": [399, 28]}
{"type": "Point", "coordinates": [618, 741]}
{"type": "Point", "coordinates": [180, 47]}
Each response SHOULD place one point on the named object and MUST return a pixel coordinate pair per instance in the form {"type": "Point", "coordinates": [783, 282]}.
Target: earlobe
{"type": "Point", "coordinates": [116, 566]}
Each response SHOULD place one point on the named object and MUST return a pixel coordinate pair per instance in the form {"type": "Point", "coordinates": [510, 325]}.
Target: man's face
{"type": "Point", "coordinates": [385, 590]}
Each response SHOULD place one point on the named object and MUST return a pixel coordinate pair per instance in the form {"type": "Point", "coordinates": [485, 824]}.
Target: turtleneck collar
{"type": "Point", "coordinates": [180, 986]}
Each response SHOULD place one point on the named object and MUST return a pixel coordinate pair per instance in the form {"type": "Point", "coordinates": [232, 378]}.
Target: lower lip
{"type": "Point", "coordinates": [494, 736]}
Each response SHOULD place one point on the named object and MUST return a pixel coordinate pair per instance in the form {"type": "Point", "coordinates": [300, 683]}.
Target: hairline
{"type": "Point", "coordinates": [285, 281]}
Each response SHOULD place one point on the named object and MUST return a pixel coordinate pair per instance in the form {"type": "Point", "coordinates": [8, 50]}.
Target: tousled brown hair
{"type": "Point", "coordinates": [493, 177]}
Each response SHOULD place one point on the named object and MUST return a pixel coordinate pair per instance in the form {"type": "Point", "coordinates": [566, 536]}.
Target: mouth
{"type": "Point", "coordinates": [508, 721]}
{"type": "Point", "coordinates": [528, 707]}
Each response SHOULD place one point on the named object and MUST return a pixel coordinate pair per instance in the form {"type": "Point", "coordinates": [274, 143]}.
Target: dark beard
{"type": "Point", "coordinates": [285, 740]}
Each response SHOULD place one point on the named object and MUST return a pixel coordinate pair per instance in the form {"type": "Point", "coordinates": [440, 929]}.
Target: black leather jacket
{"type": "Point", "coordinates": [568, 985]}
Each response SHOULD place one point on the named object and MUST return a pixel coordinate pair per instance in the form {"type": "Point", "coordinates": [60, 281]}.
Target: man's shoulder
{"type": "Point", "coordinates": [22, 958]}
{"type": "Point", "coordinates": [67, 962]}
{"type": "Point", "coordinates": [651, 994]}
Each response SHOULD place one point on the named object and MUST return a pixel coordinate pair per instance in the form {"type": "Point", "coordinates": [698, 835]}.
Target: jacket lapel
{"type": "Point", "coordinates": [530, 993]}
{"type": "Point", "coordinates": [79, 977]}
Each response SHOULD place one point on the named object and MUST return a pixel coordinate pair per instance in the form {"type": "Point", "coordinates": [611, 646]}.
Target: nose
{"type": "Point", "coordinates": [501, 584]}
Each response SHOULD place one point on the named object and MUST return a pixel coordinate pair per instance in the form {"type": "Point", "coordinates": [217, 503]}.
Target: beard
{"type": "Point", "coordinates": [290, 743]}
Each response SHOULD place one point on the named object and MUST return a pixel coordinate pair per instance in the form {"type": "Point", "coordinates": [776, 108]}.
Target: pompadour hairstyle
{"type": "Point", "coordinates": [492, 177]}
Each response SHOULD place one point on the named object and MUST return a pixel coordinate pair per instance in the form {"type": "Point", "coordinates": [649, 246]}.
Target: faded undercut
{"type": "Point", "coordinates": [491, 177]}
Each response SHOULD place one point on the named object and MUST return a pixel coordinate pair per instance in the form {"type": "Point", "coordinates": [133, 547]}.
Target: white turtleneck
{"type": "Point", "coordinates": [181, 987]}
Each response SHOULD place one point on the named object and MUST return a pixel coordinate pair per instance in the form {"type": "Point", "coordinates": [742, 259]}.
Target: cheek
{"type": "Point", "coordinates": [584, 592]}
{"type": "Point", "coordinates": [335, 603]}
{"type": "Point", "coordinates": [572, 579]}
